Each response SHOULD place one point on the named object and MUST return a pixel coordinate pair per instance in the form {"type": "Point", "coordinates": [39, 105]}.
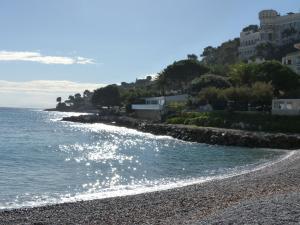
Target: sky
{"type": "Point", "coordinates": [60, 47]}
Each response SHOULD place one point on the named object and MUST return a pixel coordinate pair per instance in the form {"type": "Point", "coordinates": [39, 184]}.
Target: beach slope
{"type": "Point", "coordinates": [263, 196]}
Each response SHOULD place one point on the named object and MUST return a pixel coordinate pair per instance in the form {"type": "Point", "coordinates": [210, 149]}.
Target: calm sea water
{"type": "Point", "coordinates": [44, 160]}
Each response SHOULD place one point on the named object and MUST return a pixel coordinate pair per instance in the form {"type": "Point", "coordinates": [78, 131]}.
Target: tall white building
{"type": "Point", "coordinates": [274, 28]}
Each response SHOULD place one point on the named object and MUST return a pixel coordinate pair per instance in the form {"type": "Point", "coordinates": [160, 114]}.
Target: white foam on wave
{"type": "Point", "coordinates": [57, 116]}
{"type": "Point", "coordinates": [100, 127]}
{"type": "Point", "coordinates": [127, 190]}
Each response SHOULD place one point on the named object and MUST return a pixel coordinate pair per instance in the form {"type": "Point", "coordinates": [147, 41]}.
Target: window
{"type": "Point", "coordinates": [289, 105]}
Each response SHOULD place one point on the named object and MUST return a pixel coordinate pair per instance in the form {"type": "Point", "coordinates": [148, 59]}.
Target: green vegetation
{"type": "Point", "coordinates": [270, 51]}
{"type": "Point", "coordinates": [282, 78]}
{"type": "Point", "coordinates": [253, 28]}
{"type": "Point", "coordinates": [76, 102]}
{"type": "Point", "coordinates": [209, 80]}
{"type": "Point", "coordinates": [178, 75]}
{"type": "Point", "coordinates": [259, 94]}
{"type": "Point", "coordinates": [240, 120]}
{"type": "Point", "coordinates": [107, 96]}
{"type": "Point", "coordinates": [226, 54]}
{"type": "Point", "coordinates": [213, 96]}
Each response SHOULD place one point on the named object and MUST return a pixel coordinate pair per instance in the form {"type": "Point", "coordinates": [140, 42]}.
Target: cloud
{"type": "Point", "coordinates": [39, 93]}
{"type": "Point", "coordinates": [44, 59]}
{"type": "Point", "coordinates": [47, 86]}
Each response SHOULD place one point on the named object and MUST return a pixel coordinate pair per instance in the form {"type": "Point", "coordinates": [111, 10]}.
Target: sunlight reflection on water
{"type": "Point", "coordinates": [61, 161]}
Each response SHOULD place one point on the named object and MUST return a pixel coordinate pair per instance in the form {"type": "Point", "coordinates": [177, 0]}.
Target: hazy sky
{"type": "Point", "coordinates": [58, 47]}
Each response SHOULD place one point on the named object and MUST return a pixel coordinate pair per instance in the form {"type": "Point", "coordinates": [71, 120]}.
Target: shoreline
{"type": "Point", "coordinates": [165, 187]}
{"type": "Point", "coordinates": [207, 135]}
{"type": "Point", "coordinates": [183, 205]}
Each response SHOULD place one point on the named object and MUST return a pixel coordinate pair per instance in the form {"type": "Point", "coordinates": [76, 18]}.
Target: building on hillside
{"type": "Point", "coordinates": [143, 82]}
{"type": "Point", "coordinates": [292, 60]}
{"type": "Point", "coordinates": [288, 107]}
{"type": "Point", "coordinates": [274, 28]}
{"type": "Point", "coordinates": [155, 107]}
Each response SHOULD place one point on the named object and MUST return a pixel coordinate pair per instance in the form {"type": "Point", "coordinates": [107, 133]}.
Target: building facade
{"type": "Point", "coordinates": [287, 107]}
{"type": "Point", "coordinates": [274, 28]}
{"type": "Point", "coordinates": [292, 60]}
{"type": "Point", "coordinates": [155, 107]}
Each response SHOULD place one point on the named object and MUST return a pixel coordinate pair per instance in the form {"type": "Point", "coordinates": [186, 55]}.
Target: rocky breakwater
{"type": "Point", "coordinates": [209, 135]}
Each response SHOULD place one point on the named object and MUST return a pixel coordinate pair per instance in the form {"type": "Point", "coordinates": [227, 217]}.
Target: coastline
{"type": "Point", "coordinates": [197, 203]}
{"type": "Point", "coordinates": [208, 135]}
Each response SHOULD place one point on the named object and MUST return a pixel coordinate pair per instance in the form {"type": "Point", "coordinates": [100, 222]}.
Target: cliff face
{"type": "Point", "coordinates": [206, 135]}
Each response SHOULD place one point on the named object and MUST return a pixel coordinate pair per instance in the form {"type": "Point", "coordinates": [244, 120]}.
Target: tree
{"type": "Point", "coordinates": [267, 51]}
{"type": "Point", "coordinates": [261, 93]}
{"type": "Point", "coordinates": [238, 97]}
{"type": "Point", "coordinates": [219, 69]}
{"type": "Point", "coordinates": [77, 96]}
{"type": "Point", "coordinates": [213, 96]}
{"type": "Point", "coordinates": [226, 54]}
{"type": "Point", "coordinates": [58, 100]}
{"type": "Point", "coordinates": [87, 94]}
{"type": "Point", "coordinates": [162, 83]}
{"type": "Point", "coordinates": [61, 106]}
{"type": "Point", "coordinates": [238, 94]}
{"type": "Point", "coordinates": [178, 74]}
{"type": "Point", "coordinates": [253, 28]}
{"type": "Point", "coordinates": [242, 74]}
{"type": "Point", "coordinates": [270, 51]}
{"type": "Point", "coordinates": [209, 80]}
{"type": "Point", "coordinates": [282, 78]}
{"type": "Point", "coordinates": [78, 100]}
{"type": "Point", "coordinates": [107, 96]}
{"type": "Point", "coordinates": [192, 57]}
{"type": "Point", "coordinates": [209, 55]}
{"type": "Point", "coordinates": [71, 98]}
{"type": "Point", "coordinates": [70, 101]}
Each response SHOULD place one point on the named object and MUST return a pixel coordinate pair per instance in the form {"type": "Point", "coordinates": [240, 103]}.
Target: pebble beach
{"type": "Point", "coordinates": [268, 195]}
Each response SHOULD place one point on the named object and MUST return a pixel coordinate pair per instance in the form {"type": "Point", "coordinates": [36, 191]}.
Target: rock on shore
{"type": "Point", "coordinates": [207, 135]}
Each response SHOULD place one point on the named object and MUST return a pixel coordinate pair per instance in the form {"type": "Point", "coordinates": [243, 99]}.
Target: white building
{"type": "Point", "coordinates": [292, 60]}
{"type": "Point", "coordinates": [155, 107]}
{"type": "Point", "coordinates": [274, 28]}
{"type": "Point", "coordinates": [289, 107]}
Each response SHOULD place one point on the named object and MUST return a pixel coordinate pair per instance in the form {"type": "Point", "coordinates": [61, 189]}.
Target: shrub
{"type": "Point", "coordinates": [209, 80]}
{"type": "Point", "coordinates": [213, 96]}
{"type": "Point", "coordinates": [261, 93]}
{"type": "Point", "coordinates": [176, 120]}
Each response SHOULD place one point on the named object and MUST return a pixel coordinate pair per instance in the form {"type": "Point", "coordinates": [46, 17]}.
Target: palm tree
{"type": "Point", "coordinates": [161, 83]}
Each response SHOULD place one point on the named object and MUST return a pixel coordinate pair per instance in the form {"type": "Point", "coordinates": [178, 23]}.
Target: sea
{"type": "Point", "coordinates": [44, 160]}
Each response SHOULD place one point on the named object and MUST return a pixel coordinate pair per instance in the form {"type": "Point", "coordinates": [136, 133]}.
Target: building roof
{"type": "Point", "coordinates": [168, 98]}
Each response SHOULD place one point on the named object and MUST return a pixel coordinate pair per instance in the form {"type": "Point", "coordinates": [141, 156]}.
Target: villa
{"type": "Point", "coordinates": [289, 107]}
{"type": "Point", "coordinates": [292, 60]}
{"type": "Point", "coordinates": [274, 28]}
{"type": "Point", "coordinates": [155, 107]}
